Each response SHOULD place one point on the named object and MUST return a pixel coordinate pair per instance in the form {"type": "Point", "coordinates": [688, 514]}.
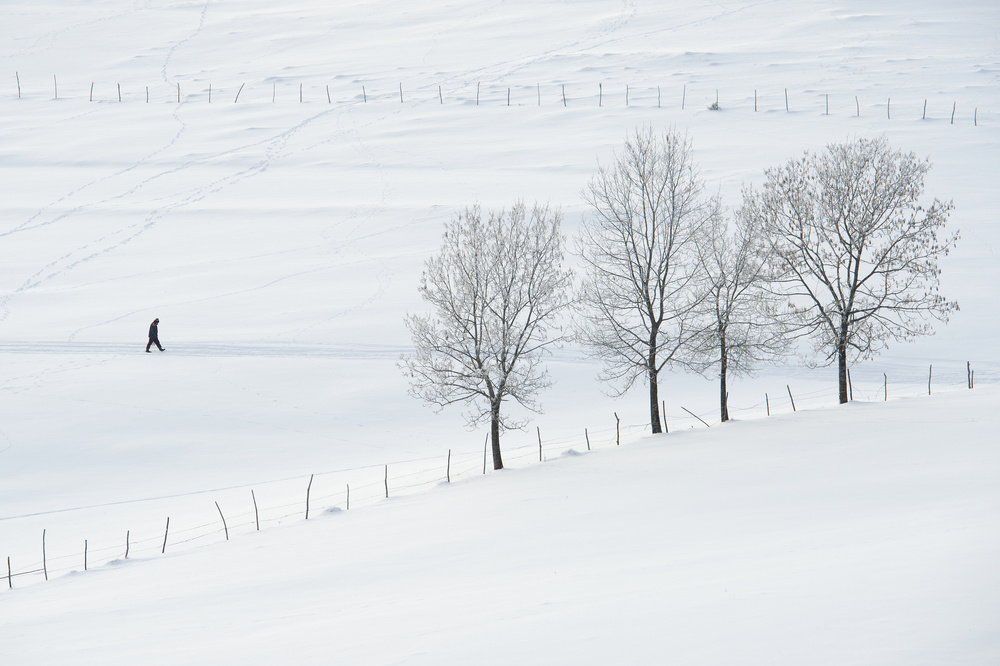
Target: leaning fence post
{"type": "Point", "coordinates": [768, 404]}
{"type": "Point", "coordinates": [695, 415]}
{"type": "Point", "coordinates": [165, 532]}
{"type": "Point", "coordinates": [587, 435]}
{"type": "Point", "coordinates": [790, 396]}
{"type": "Point", "coordinates": [850, 386]}
{"type": "Point", "coordinates": [45, 566]}
{"type": "Point", "coordinates": [256, 514]}
{"type": "Point", "coordinates": [10, 577]}
{"type": "Point", "coordinates": [308, 490]}
{"type": "Point", "coordinates": [224, 526]}
{"type": "Point", "coordinates": [564, 94]}
{"type": "Point", "coordinates": [238, 92]}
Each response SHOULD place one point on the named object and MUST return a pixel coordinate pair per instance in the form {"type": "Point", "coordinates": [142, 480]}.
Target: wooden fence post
{"type": "Point", "coordinates": [790, 396]}
{"type": "Point", "coordinates": [348, 497]}
{"type": "Point", "coordinates": [45, 565]}
{"type": "Point", "coordinates": [684, 94]}
{"type": "Point", "coordinates": [449, 466]}
{"type": "Point", "coordinates": [127, 544]}
{"type": "Point", "coordinates": [850, 386]}
{"type": "Point", "coordinates": [694, 415]}
{"type": "Point", "coordinates": [618, 430]}
{"type": "Point", "coordinates": [165, 533]}
{"type": "Point", "coordinates": [308, 490]}
{"type": "Point", "coordinates": [768, 404]}
{"type": "Point", "coordinates": [539, 443]}
{"type": "Point", "coordinates": [885, 387]}
{"type": "Point", "coordinates": [600, 94]}
{"type": "Point", "coordinates": [256, 514]}
{"type": "Point", "coordinates": [930, 373]}
{"type": "Point", "coordinates": [84, 554]}
{"type": "Point", "coordinates": [238, 92]}
{"type": "Point", "coordinates": [387, 482]}
{"type": "Point", "coordinates": [224, 526]}
{"type": "Point", "coordinates": [587, 435]}
{"type": "Point", "coordinates": [10, 577]}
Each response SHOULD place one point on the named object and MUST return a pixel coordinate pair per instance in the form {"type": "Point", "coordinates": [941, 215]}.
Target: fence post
{"type": "Point", "coordinates": [45, 566]}
{"type": "Point", "coordinates": [539, 443]}
{"type": "Point", "coordinates": [241, 90]}
{"type": "Point", "coordinates": [256, 514]}
{"type": "Point", "coordinates": [165, 532]}
{"type": "Point", "coordinates": [449, 466]}
{"type": "Point", "coordinates": [850, 386]}
{"type": "Point", "coordinates": [84, 554]}
{"type": "Point", "coordinates": [790, 396]}
{"type": "Point", "coordinates": [694, 415]}
{"type": "Point", "coordinates": [618, 430]}
{"type": "Point", "coordinates": [387, 482]}
{"type": "Point", "coordinates": [930, 373]}
{"type": "Point", "coordinates": [587, 435]}
{"type": "Point", "coordinates": [10, 577]}
{"type": "Point", "coordinates": [224, 526]}
{"type": "Point", "coordinates": [308, 490]}
{"type": "Point", "coordinates": [885, 387]}
{"type": "Point", "coordinates": [127, 544]}
{"type": "Point", "coordinates": [768, 404]}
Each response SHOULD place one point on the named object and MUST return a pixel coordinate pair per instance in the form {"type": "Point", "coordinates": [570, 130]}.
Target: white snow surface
{"type": "Point", "coordinates": [280, 237]}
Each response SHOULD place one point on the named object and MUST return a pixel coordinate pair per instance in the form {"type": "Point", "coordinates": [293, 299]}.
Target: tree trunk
{"type": "Point", "coordinates": [495, 435]}
{"type": "Point", "coordinates": [723, 369]}
{"type": "Point", "coordinates": [654, 403]}
{"type": "Point", "coordinates": [842, 364]}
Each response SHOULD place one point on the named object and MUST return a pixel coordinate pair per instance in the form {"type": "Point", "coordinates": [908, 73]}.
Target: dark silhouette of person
{"type": "Point", "coordinates": [154, 336]}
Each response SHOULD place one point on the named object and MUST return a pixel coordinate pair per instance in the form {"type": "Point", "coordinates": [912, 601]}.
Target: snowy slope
{"type": "Point", "coordinates": [866, 534]}
{"type": "Point", "coordinates": [280, 241]}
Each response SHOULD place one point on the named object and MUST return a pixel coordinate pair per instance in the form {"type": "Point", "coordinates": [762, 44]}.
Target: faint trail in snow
{"type": "Point", "coordinates": [341, 350]}
{"type": "Point", "coordinates": [173, 49]}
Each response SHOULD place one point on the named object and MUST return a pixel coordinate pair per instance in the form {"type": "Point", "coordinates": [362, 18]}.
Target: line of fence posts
{"type": "Point", "coordinates": [970, 382]}
{"type": "Point", "coordinates": [600, 99]}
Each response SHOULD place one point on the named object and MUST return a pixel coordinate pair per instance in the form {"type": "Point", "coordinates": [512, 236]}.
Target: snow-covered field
{"type": "Point", "coordinates": [280, 237]}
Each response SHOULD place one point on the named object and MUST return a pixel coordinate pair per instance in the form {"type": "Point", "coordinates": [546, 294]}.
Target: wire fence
{"type": "Point", "coordinates": [592, 94]}
{"type": "Point", "coordinates": [287, 501]}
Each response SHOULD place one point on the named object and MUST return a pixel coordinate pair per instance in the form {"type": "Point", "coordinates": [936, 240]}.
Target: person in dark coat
{"type": "Point", "coordinates": [154, 336]}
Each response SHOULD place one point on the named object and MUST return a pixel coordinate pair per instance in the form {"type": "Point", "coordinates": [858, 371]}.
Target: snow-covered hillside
{"type": "Point", "coordinates": [269, 186]}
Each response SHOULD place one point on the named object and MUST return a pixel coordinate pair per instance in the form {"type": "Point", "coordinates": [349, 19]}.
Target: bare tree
{"type": "Point", "coordinates": [640, 252]}
{"type": "Point", "coordinates": [496, 289]}
{"type": "Point", "coordinates": [743, 326]}
{"type": "Point", "coordinates": [853, 249]}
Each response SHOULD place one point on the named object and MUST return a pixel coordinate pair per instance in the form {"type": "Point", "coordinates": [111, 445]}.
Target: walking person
{"type": "Point", "coordinates": [154, 336]}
